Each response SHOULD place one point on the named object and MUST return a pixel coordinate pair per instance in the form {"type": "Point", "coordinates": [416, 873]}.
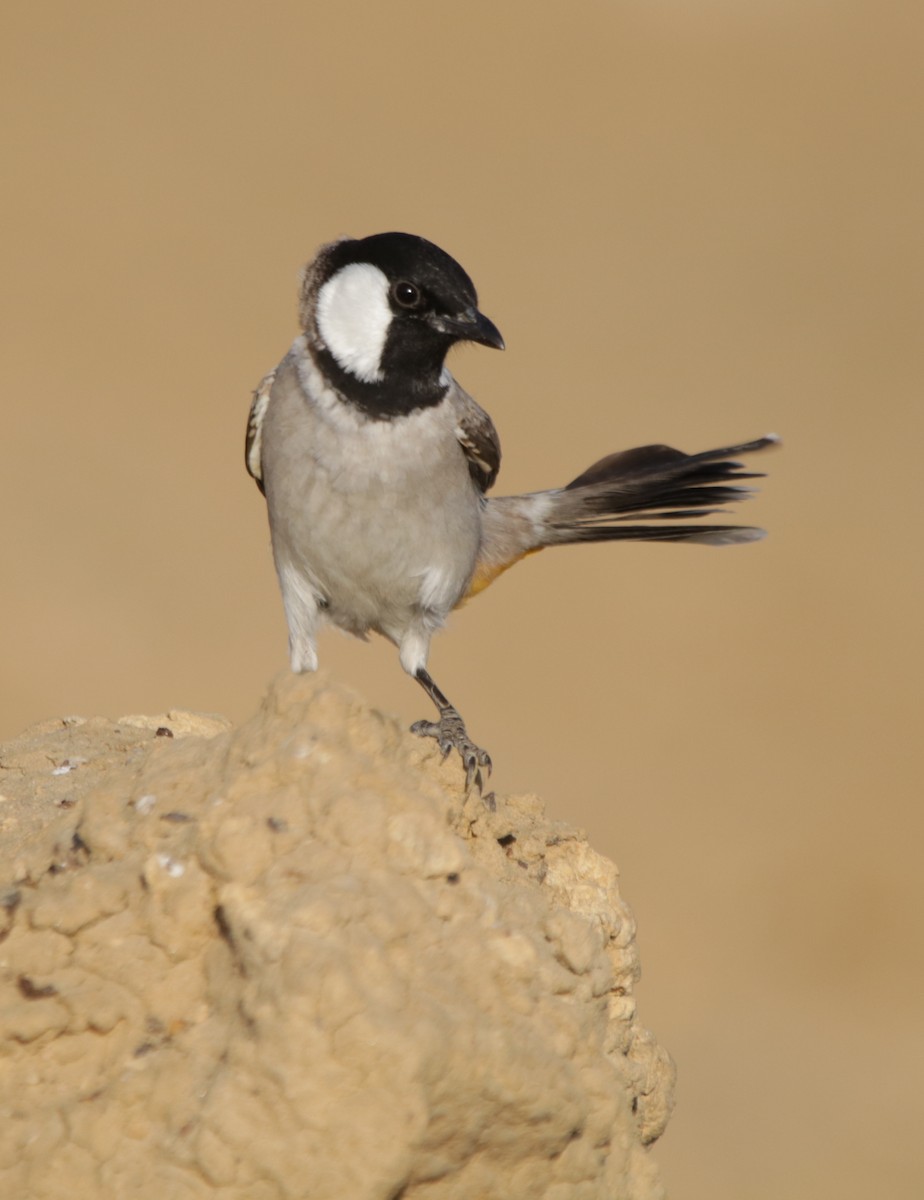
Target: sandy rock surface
{"type": "Point", "coordinates": [292, 960]}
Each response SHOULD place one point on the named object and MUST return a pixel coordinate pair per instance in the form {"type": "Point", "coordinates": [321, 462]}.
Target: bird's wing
{"type": "Point", "coordinates": [253, 448]}
{"type": "Point", "coordinates": [478, 438]}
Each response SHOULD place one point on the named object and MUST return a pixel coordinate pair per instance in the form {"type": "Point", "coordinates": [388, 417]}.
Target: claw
{"type": "Point", "coordinates": [434, 730]}
{"type": "Point", "coordinates": [450, 733]}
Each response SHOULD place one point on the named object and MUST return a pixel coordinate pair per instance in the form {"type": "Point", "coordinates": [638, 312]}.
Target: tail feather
{"type": "Point", "coordinates": [650, 494]}
{"type": "Point", "coordinates": [703, 535]}
{"type": "Point", "coordinates": [649, 460]}
{"type": "Point", "coordinates": [655, 483]}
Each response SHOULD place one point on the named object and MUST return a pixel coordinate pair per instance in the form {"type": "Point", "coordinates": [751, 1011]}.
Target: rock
{"type": "Point", "coordinates": [292, 960]}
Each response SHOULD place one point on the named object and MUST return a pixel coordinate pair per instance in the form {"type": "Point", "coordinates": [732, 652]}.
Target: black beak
{"type": "Point", "coordinates": [470, 326]}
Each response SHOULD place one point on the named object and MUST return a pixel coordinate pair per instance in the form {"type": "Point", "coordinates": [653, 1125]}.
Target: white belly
{"type": "Point", "coordinates": [382, 517]}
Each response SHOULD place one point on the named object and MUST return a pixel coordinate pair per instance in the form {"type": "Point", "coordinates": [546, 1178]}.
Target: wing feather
{"type": "Point", "coordinates": [253, 448]}
{"type": "Point", "coordinates": [479, 441]}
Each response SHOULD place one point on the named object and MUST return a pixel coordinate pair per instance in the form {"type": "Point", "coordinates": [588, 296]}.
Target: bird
{"type": "Point", "coordinates": [376, 467]}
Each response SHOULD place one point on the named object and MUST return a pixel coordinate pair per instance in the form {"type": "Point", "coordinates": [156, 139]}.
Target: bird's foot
{"type": "Point", "coordinates": [450, 733]}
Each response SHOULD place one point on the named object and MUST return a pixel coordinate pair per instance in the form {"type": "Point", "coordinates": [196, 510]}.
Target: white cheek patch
{"type": "Point", "coordinates": [353, 319]}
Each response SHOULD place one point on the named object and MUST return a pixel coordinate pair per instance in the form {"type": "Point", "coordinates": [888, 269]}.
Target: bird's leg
{"type": "Point", "coordinates": [450, 732]}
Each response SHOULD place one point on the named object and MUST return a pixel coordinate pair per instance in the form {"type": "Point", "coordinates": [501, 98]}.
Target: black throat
{"type": "Point", "coordinates": [412, 371]}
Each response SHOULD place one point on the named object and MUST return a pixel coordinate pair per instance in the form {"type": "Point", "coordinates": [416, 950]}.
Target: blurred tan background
{"type": "Point", "coordinates": [693, 222]}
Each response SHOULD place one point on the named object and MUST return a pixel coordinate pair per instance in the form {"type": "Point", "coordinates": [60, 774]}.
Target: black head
{"type": "Point", "coordinates": [381, 314]}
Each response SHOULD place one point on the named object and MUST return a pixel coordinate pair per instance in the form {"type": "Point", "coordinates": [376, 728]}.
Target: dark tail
{"type": "Point", "coordinates": [657, 484]}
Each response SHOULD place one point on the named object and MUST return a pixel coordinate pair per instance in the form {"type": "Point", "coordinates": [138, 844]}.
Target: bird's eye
{"type": "Point", "coordinates": [407, 295]}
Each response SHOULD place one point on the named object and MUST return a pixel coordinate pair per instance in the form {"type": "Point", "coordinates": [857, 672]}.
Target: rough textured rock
{"type": "Point", "coordinates": [291, 960]}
